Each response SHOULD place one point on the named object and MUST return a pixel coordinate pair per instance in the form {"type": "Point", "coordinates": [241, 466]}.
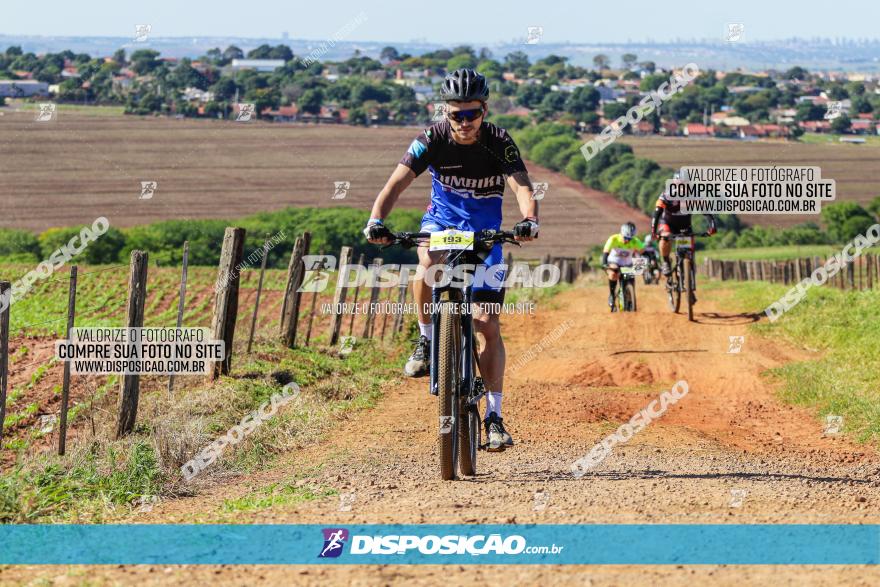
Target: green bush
{"type": "Point", "coordinates": [509, 121]}
{"type": "Point", "coordinates": [330, 228]}
{"type": "Point", "coordinates": [845, 220]}
{"type": "Point", "coordinates": [163, 241]}
{"type": "Point", "coordinates": [104, 249]}
{"type": "Point", "coordinates": [19, 244]}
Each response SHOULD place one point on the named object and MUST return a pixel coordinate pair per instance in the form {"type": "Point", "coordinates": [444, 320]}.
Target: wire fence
{"type": "Point", "coordinates": [859, 274]}
{"type": "Point", "coordinates": [313, 308]}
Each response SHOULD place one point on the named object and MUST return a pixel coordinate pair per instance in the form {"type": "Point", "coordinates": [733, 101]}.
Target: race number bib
{"type": "Point", "coordinates": [451, 240]}
{"type": "Point", "coordinates": [639, 265]}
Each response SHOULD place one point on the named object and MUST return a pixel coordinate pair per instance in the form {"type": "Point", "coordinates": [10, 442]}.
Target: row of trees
{"type": "Point", "coordinates": [362, 86]}
{"type": "Point", "coordinates": [331, 229]}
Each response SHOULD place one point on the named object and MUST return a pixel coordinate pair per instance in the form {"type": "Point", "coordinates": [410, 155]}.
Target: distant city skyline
{"type": "Point", "coordinates": [480, 24]}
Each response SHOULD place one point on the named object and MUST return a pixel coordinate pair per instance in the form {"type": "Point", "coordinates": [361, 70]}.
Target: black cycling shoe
{"type": "Point", "coordinates": [495, 434]}
{"type": "Point", "coordinates": [419, 363]}
{"type": "Point", "coordinates": [666, 269]}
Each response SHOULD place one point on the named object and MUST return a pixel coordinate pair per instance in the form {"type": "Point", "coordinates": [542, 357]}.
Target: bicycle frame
{"type": "Point", "coordinates": [689, 250]}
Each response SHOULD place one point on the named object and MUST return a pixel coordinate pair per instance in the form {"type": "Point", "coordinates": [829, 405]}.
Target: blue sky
{"type": "Point", "coordinates": [476, 23]}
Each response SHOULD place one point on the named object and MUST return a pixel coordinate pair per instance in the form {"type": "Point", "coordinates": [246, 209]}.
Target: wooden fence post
{"type": "Point", "coordinates": [180, 303]}
{"type": "Point", "coordinates": [868, 272]}
{"type": "Point", "coordinates": [65, 383]}
{"type": "Point", "coordinates": [129, 386]}
{"type": "Point", "coordinates": [374, 297]}
{"type": "Point", "coordinates": [290, 306]}
{"type": "Point", "coordinates": [339, 297]}
{"type": "Point", "coordinates": [357, 289]}
{"type": "Point", "coordinates": [385, 317]}
{"type": "Point", "coordinates": [5, 302]}
{"type": "Point", "coordinates": [397, 325]}
{"type": "Point", "coordinates": [226, 297]}
{"type": "Point", "coordinates": [259, 291]}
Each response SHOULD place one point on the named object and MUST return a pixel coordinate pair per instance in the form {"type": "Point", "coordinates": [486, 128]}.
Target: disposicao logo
{"type": "Point", "coordinates": [334, 540]}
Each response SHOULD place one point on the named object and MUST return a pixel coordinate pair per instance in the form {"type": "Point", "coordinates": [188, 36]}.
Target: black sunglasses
{"type": "Point", "coordinates": [469, 115]}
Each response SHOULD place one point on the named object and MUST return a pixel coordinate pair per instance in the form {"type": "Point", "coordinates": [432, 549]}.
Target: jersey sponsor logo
{"type": "Point", "coordinates": [453, 181]}
{"type": "Point", "coordinates": [416, 148]}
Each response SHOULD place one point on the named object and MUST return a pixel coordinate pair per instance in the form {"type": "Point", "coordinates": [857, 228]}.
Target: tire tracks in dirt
{"type": "Point", "coordinates": [727, 452]}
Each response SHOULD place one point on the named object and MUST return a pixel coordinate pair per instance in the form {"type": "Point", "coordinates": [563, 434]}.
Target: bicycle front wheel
{"type": "Point", "coordinates": [448, 376]}
{"type": "Point", "coordinates": [629, 296]}
{"type": "Point", "coordinates": [468, 438]}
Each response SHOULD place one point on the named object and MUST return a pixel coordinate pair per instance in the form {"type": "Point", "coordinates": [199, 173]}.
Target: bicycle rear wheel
{"type": "Point", "coordinates": [448, 376]}
{"type": "Point", "coordinates": [673, 290]}
{"type": "Point", "coordinates": [689, 284]}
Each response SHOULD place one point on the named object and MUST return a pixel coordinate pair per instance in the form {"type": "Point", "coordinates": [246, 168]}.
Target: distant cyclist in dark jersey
{"type": "Point", "coordinates": [670, 220]}
{"type": "Point", "coordinates": [470, 160]}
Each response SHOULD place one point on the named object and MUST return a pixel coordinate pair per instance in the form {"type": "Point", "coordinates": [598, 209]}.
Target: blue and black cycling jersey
{"type": "Point", "coordinates": [467, 181]}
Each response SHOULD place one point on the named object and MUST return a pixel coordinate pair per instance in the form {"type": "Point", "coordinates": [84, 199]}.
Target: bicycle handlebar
{"type": "Point", "coordinates": [682, 235]}
{"type": "Point", "coordinates": [486, 237]}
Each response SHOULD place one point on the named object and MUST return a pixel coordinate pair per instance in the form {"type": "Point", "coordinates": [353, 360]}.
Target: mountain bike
{"type": "Point", "coordinates": [651, 272]}
{"type": "Point", "coordinates": [683, 278]}
{"type": "Point", "coordinates": [625, 300]}
{"type": "Point", "coordinates": [454, 362]}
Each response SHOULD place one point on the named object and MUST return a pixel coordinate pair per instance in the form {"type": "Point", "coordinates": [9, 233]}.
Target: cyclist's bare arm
{"type": "Point", "coordinates": [396, 184]}
{"type": "Point", "coordinates": [521, 185]}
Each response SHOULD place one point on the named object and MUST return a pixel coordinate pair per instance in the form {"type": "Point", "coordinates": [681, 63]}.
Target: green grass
{"type": "Point", "coordinates": [768, 253]}
{"type": "Point", "coordinates": [100, 475]}
{"type": "Point", "coordinates": [102, 290]}
{"type": "Point", "coordinates": [276, 494]}
{"type": "Point", "coordinates": [811, 138]}
{"type": "Point", "coordinates": [844, 326]}
{"type": "Point", "coordinates": [84, 486]}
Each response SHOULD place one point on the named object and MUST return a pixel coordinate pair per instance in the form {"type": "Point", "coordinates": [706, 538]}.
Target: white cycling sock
{"type": "Point", "coordinates": [493, 403]}
{"type": "Point", "coordinates": [426, 330]}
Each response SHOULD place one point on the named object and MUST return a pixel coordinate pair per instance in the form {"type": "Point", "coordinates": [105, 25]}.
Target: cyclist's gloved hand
{"type": "Point", "coordinates": [526, 229]}
{"type": "Point", "coordinates": [377, 233]}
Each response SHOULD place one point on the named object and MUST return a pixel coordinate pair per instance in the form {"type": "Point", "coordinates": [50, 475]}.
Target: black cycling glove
{"type": "Point", "coordinates": [375, 230]}
{"type": "Point", "coordinates": [526, 227]}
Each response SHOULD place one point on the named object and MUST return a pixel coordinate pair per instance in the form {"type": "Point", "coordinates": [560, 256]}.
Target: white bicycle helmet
{"type": "Point", "coordinates": [628, 230]}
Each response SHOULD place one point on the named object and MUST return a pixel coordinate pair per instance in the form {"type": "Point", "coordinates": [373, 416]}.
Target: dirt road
{"type": "Point", "coordinates": [727, 452]}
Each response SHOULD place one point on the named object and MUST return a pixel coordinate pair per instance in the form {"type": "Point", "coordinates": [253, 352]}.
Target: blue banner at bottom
{"type": "Point", "coordinates": [653, 544]}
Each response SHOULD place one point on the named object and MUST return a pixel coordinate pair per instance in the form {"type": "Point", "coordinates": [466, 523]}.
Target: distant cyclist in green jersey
{"type": "Point", "coordinates": [618, 252]}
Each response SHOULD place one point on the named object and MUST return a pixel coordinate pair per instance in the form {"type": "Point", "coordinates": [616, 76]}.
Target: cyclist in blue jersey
{"type": "Point", "coordinates": [470, 161]}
